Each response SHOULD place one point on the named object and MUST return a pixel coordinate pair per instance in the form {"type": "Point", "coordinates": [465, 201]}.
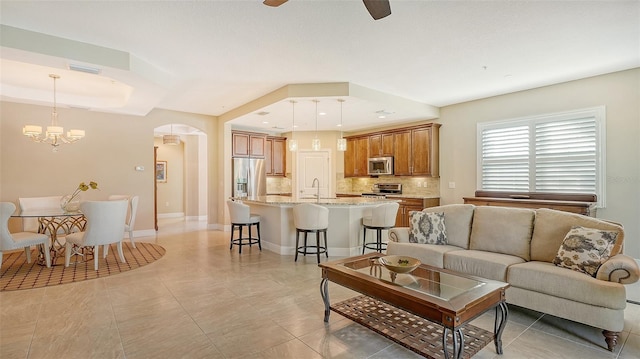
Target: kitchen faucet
{"type": "Point", "coordinates": [313, 185]}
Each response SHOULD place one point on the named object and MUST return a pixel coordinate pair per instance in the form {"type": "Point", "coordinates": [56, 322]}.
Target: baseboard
{"type": "Point", "coordinates": [196, 218]}
{"type": "Point", "coordinates": [170, 215]}
{"type": "Point", "coordinates": [142, 233]}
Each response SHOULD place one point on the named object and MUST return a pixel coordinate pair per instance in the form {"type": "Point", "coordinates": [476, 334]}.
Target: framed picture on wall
{"type": "Point", "coordinates": [161, 171]}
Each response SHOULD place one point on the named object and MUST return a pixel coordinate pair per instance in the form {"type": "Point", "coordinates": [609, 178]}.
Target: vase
{"type": "Point", "coordinates": [70, 204]}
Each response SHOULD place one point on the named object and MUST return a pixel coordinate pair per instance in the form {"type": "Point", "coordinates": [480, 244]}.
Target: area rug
{"type": "Point", "coordinates": [17, 274]}
{"type": "Point", "coordinates": [408, 330]}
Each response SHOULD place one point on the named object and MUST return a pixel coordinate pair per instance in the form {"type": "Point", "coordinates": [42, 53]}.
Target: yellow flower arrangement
{"type": "Point", "coordinates": [67, 200]}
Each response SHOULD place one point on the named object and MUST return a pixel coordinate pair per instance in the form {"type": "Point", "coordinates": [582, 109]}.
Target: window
{"type": "Point", "coordinates": [555, 153]}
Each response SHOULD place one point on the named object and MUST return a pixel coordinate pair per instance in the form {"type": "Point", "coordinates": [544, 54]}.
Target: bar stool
{"type": "Point", "coordinates": [311, 218]}
{"type": "Point", "coordinates": [240, 218]}
{"type": "Point", "coordinates": [382, 217]}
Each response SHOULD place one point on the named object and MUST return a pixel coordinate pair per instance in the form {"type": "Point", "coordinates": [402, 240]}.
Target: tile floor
{"type": "Point", "coordinates": [203, 301]}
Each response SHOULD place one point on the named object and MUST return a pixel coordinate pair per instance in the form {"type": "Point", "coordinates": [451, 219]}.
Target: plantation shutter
{"type": "Point", "coordinates": [505, 159]}
{"type": "Point", "coordinates": [565, 156]}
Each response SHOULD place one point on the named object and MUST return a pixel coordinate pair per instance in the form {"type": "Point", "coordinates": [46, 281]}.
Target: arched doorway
{"type": "Point", "coordinates": [181, 174]}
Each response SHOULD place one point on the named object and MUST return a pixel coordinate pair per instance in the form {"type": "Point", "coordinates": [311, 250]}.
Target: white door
{"type": "Point", "coordinates": [311, 165]}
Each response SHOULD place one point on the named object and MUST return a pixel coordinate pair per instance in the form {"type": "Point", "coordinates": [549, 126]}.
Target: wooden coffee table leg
{"type": "Point", "coordinates": [502, 312]}
{"type": "Point", "coordinates": [324, 292]}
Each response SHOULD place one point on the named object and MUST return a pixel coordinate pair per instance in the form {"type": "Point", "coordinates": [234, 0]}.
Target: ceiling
{"type": "Point", "coordinates": [235, 59]}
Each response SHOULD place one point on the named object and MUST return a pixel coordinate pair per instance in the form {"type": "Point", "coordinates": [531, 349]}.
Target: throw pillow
{"type": "Point", "coordinates": [427, 228]}
{"type": "Point", "coordinates": [585, 249]}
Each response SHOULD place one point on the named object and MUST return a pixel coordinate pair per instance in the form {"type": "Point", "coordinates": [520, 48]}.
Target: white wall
{"type": "Point", "coordinates": [619, 92]}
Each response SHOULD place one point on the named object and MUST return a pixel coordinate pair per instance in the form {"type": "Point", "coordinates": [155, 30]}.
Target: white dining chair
{"type": "Point", "coordinates": [35, 204]}
{"type": "Point", "coordinates": [13, 241]}
{"type": "Point", "coordinates": [131, 213]}
{"type": "Point", "coordinates": [105, 225]}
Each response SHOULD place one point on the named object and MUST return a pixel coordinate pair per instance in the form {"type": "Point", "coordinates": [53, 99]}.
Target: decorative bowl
{"type": "Point", "coordinates": [399, 264]}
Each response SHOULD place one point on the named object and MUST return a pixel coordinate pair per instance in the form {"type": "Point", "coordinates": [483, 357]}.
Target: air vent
{"type": "Point", "coordinates": [85, 69]}
{"type": "Point", "coordinates": [262, 113]}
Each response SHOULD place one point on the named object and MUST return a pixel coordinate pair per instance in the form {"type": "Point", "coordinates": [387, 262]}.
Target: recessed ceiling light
{"type": "Point", "coordinates": [382, 116]}
{"type": "Point", "coordinates": [265, 122]}
{"type": "Point", "coordinates": [339, 125]}
{"type": "Point", "coordinates": [322, 113]}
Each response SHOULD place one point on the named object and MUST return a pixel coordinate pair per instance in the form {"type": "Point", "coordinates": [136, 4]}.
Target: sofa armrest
{"type": "Point", "coordinates": [619, 268]}
{"type": "Point", "coordinates": [399, 234]}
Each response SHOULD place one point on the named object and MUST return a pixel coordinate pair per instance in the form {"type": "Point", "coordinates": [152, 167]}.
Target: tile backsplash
{"type": "Point", "coordinates": [422, 186]}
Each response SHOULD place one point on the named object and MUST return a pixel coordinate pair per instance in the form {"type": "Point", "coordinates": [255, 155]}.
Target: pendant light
{"type": "Point", "coordinates": [293, 143]}
{"type": "Point", "coordinates": [54, 135]}
{"type": "Point", "coordinates": [315, 143]}
{"type": "Point", "coordinates": [171, 139]}
{"type": "Point", "coordinates": [342, 142]}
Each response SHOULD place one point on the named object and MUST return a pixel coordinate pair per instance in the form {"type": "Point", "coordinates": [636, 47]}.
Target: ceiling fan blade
{"type": "Point", "coordinates": [378, 8]}
{"type": "Point", "coordinates": [274, 3]}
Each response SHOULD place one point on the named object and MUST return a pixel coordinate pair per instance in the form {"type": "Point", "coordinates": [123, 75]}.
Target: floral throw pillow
{"type": "Point", "coordinates": [427, 228]}
{"type": "Point", "coordinates": [585, 249]}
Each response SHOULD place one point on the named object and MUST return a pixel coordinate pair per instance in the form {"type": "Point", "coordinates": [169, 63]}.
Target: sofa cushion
{"type": "Point", "coordinates": [430, 254]}
{"type": "Point", "coordinates": [502, 230]}
{"type": "Point", "coordinates": [585, 249]}
{"type": "Point", "coordinates": [480, 263]}
{"type": "Point", "coordinates": [551, 226]}
{"type": "Point", "coordinates": [427, 228]}
{"type": "Point", "coordinates": [457, 218]}
{"type": "Point", "coordinates": [547, 278]}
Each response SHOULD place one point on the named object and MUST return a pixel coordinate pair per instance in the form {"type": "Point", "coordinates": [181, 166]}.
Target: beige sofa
{"type": "Point", "coordinates": [518, 246]}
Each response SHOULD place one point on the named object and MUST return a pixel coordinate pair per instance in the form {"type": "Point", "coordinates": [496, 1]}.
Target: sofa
{"type": "Point", "coordinates": [560, 263]}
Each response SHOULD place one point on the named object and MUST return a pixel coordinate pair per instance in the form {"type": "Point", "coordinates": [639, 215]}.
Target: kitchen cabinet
{"type": "Point", "coordinates": [416, 151]}
{"type": "Point", "coordinates": [380, 145]}
{"type": "Point", "coordinates": [408, 205]}
{"type": "Point", "coordinates": [275, 156]}
{"type": "Point", "coordinates": [356, 157]}
{"type": "Point", "coordinates": [248, 144]}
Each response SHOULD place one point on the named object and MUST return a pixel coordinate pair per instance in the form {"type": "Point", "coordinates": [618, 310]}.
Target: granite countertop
{"type": "Point", "coordinates": [343, 201]}
{"type": "Point", "coordinates": [404, 195]}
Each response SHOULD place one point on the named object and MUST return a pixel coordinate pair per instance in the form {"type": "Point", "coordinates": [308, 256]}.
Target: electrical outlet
{"type": "Point", "coordinates": [419, 184]}
{"type": "Point", "coordinates": [452, 185]}
{"type": "Point", "coordinates": [424, 184]}
{"type": "Point", "coordinates": [166, 204]}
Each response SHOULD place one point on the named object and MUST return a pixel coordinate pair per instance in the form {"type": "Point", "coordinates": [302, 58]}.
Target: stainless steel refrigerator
{"type": "Point", "coordinates": [249, 177]}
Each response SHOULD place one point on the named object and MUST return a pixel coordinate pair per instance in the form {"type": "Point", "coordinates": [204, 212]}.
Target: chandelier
{"type": "Point", "coordinates": [171, 139]}
{"type": "Point", "coordinates": [342, 142]}
{"type": "Point", "coordinates": [54, 135]}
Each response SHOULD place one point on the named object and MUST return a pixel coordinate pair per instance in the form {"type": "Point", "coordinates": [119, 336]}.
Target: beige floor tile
{"type": "Point", "coordinates": [534, 344]}
{"type": "Point", "coordinates": [631, 347]}
{"type": "Point", "coordinates": [249, 338]}
{"type": "Point", "coordinates": [293, 349]}
{"type": "Point", "coordinates": [93, 344]}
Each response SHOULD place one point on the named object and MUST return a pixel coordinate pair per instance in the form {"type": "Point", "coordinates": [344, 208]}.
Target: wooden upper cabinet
{"type": "Point", "coordinates": [356, 157]}
{"type": "Point", "coordinates": [402, 153]}
{"type": "Point", "coordinates": [415, 150]}
{"type": "Point", "coordinates": [248, 144]}
{"type": "Point", "coordinates": [275, 155]}
{"type": "Point", "coordinates": [381, 145]}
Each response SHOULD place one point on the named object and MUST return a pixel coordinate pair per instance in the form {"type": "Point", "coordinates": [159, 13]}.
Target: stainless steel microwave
{"type": "Point", "coordinates": [380, 166]}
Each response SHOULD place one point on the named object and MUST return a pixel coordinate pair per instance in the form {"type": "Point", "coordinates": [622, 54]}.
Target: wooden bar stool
{"type": "Point", "coordinates": [382, 217]}
{"type": "Point", "coordinates": [240, 218]}
{"type": "Point", "coordinates": [311, 218]}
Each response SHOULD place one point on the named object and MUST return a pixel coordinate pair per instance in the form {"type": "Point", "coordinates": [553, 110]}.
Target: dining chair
{"type": "Point", "coordinates": [13, 241]}
{"type": "Point", "coordinates": [131, 213]}
{"type": "Point", "coordinates": [105, 225]}
{"type": "Point", "coordinates": [37, 203]}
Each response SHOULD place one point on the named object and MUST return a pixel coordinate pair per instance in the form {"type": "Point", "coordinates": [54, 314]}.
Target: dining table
{"type": "Point", "coordinates": [55, 222]}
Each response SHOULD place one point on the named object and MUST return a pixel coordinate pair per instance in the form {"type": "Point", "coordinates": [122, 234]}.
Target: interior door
{"type": "Point", "coordinates": [313, 164]}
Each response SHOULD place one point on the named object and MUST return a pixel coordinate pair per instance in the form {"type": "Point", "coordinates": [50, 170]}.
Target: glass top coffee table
{"type": "Point", "coordinates": [441, 296]}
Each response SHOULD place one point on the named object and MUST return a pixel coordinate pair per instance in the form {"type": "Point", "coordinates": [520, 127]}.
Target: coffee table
{"type": "Point", "coordinates": [441, 296]}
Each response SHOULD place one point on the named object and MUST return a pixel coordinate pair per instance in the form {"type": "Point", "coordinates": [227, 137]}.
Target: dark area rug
{"type": "Point", "coordinates": [17, 274]}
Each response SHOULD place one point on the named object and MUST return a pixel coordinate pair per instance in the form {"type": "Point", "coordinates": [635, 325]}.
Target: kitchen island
{"type": "Point", "coordinates": [344, 235]}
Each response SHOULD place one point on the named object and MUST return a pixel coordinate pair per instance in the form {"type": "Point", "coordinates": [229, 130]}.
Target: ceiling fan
{"type": "Point", "coordinates": [377, 8]}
